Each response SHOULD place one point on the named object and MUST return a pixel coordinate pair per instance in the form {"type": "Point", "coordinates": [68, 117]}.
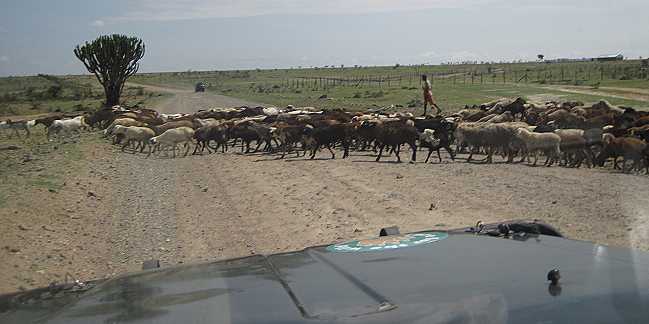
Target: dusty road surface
{"type": "Point", "coordinates": [116, 210]}
{"type": "Point", "coordinates": [188, 101]}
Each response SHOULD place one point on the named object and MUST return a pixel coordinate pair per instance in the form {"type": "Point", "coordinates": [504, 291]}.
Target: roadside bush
{"type": "Point", "coordinates": [29, 92]}
{"type": "Point", "coordinates": [54, 91]}
{"type": "Point", "coordinates": [8, 97]}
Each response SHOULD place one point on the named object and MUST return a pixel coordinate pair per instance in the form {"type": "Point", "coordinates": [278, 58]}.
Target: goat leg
{"type": "Point", "coordinates": [430, 151]}
{"type": "Point", "coordinates": [333, 155]}
{"type": "Point", "coordinates": [413, 147]}
{"type": "Point", "coordinates": [396, 152]}
{"type": "Point", "coordinates": [125, 145]}
{"type": "Point", "coordinates": [198, 144]}
{"type": "Point", "coordinates": [450, 152]}
{"type": "Point", "coordinates": [378, 157]}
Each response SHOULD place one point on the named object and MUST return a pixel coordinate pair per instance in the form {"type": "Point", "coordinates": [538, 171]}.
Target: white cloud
{"type": "Point", "coordinates": [97, 23]}
{"type": "Point", "coordinates": [4, 58]}
{"type": "Point", "coordinates": [163, 10]}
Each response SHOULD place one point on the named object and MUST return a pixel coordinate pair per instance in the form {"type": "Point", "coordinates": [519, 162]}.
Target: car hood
{"type": "Point", "coordinates": [454, 278]}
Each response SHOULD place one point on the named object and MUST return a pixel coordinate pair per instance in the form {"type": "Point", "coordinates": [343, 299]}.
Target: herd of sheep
{"type": "Point", "coordinates": [569, 134]}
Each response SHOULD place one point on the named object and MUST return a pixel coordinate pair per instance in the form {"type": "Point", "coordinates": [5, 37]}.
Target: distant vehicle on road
{"type": "Point", "coordinates": [200, 87]}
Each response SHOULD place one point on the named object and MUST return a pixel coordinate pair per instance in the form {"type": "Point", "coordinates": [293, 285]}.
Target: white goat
{"type": "Point", "coordinates": [173, 137]}
{"type": "Point", "coordinates": [67, 126]}
{"type": "Point", "coordinates": [548, 143]}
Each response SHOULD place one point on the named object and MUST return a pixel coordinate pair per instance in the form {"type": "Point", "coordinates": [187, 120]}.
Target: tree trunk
{"type": "Point", "coordinates": [112, 95]}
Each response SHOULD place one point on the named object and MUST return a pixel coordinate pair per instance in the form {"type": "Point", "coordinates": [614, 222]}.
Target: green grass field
{"type": "Point", "coordinates": [33, 95]}
{"type": "Point", "coordinates": [352, 88]}
{"type": "Point", "coordinates": [454, 86]}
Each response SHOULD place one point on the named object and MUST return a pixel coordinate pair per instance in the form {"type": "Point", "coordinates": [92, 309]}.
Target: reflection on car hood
{"type": "Point", "coordinates": [461, 279]}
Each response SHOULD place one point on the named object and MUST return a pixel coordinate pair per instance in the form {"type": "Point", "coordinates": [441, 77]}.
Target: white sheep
{"type": "Point", "coordinates": [548, 143]}
{"type": "Point", "coordinates": [141, 135]}
{"type": "Point", "coordinates": [67, 126]}
{"type": "Point", "coordinates": [173, 137]}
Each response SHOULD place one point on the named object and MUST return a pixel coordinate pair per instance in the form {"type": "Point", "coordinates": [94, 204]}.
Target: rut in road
{"type": "Point", "coordinates": [154, 201]}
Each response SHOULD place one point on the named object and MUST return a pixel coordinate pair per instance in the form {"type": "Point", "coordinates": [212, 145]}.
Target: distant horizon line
{"type": "Point", "coordinates": [467, 63]}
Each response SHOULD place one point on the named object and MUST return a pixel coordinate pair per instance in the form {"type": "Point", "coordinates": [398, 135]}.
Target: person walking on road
{"type": "Point", "coordinates": [428, 96]}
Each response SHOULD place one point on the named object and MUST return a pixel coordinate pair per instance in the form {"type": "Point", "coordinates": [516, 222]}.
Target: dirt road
{"type": "Point", "coordinates": [613, 92]}
{"type": "Point", "coordinates": [117, 209]}
{"type": "Point", "coordinates": [188, 101]}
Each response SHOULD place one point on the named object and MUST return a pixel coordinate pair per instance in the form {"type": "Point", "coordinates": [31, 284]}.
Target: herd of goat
{"type": "Point", "coordinates": [568, 133]}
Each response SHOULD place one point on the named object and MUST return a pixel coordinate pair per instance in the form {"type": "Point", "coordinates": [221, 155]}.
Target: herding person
{"type": "Point", "coordinates": [428, 96]}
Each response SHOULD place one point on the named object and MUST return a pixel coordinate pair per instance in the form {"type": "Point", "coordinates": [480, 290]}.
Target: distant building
{"type": "Point", "coordinates": [602, 58]}
{"type": "Point", "coordinates": [611, 57]}
{"type": "Point", "coordinates": [568, 60]}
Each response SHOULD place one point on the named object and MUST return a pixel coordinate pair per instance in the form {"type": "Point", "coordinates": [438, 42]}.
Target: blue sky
{"type": "Point", "coordinates": [38, 36]}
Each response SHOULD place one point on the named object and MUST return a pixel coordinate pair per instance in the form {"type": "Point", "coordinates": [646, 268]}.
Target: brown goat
{"type": "Point", "coordinates": [628, 148]}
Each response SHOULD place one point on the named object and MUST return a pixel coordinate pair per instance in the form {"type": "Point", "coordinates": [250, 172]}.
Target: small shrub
{"type": "Point", "coordinates": [543, 81]}
{"type": "Point", "coordinates": [54, 91]}
{"type": "Point", "coordinates": [357, 95]}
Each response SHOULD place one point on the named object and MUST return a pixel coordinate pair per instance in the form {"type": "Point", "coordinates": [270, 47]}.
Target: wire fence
{"type": "Point", "coordinates": [545, 73]}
